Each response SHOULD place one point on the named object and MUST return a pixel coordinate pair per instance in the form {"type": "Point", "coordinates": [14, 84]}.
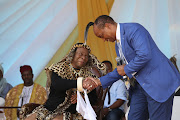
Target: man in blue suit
{"type": "Point", "coordinates": [156, 77]}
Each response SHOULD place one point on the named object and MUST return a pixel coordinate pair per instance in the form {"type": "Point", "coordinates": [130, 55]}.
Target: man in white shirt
{"type": "Point", "coordinates": [115, 98]}
{"type": "Point", "coordinates": [29, 92]}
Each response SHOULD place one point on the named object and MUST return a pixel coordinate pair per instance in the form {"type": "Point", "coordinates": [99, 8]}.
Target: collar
{"type": "Point", "coordinates": [26, 87]}
{"type": "Point", "coordinates": [118, 35]}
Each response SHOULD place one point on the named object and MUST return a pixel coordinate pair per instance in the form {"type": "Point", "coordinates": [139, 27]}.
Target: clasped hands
{"type": "Point", "coordinates": [91, 83]}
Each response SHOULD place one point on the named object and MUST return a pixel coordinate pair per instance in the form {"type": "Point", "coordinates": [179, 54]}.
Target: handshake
{"type": "Point", "coordinates": [88, 83]}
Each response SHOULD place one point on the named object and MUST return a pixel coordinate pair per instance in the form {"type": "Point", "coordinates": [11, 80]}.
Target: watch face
{"type": "Point", "coordinates": [109, 109]}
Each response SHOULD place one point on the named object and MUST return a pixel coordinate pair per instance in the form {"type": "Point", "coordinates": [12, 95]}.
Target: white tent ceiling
{"type": "Point", "coordinates": [31, 31]}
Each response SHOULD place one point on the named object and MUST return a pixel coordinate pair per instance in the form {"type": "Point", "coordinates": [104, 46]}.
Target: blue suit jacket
{"type": "Point", "coordinates": [155, 72]}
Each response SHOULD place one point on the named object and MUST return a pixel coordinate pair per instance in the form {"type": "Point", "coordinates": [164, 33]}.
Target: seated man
{"type": "Point", "coordinates": [115, 98]}
{"type": "Point", "coordinates": [62, 84]}
{"type": "Point", "coordinates": [28, 92]}
{"type": "Point", "coordinates": [4, 86]}
{"type": "Point", "coordinates": [4, 89]}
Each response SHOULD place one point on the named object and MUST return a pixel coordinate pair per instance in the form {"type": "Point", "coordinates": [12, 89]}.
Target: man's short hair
{"type": "Point", "coordinates": [107, 61]}
{"type": "Point", "coordinates": [101, 20]}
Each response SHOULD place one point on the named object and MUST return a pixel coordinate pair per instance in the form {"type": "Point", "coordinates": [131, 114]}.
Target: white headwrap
{"type": "Point", "coordinates": [3, 83]}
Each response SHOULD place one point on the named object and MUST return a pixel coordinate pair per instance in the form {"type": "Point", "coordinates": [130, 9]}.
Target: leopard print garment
{"type": "Point", "coordinates": [65, 70]}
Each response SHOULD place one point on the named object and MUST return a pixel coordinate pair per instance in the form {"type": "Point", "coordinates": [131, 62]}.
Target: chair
{"type": "Point", "coordinates": [98, 108]}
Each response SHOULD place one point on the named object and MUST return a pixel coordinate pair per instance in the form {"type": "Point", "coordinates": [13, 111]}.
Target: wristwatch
{"type": "Point", "coordinates": [109, 109]}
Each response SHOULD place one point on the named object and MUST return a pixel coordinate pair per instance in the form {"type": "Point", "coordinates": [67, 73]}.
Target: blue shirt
{"type": "Point", "coordinates": [117, 91]}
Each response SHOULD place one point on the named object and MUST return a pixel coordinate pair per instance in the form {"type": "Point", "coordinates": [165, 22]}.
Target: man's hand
{"type": "Point", "coordinates": [120, 70]}
{"type": "Point", "coordinates": [91, 83]}
{"type": "Point", "coordinates": [105, 112]}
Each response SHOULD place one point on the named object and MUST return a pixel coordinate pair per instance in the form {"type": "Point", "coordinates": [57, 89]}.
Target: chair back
{"type": "Point", "coordinates": [98, 108]}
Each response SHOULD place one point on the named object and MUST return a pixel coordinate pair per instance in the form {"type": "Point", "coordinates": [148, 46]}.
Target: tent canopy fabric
{"type": "Point", "coordinates": [39, 33]}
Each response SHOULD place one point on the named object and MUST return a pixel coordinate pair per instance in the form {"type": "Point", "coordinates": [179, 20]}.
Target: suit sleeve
{"type": "Point", "coordinates": [139, 41]}
{"type": "Point", "coordinates": [110, 78]}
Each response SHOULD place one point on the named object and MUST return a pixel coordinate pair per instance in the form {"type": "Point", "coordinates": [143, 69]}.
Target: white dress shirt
{"type": "Point", "coordinates": [25, 95]}
{"type": "Point", "coordinates": [118, 41]}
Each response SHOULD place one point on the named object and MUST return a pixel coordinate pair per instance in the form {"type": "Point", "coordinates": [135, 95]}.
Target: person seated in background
{"type": "Point", "coordinates": [115, 98]}
{"type": "Point", "coordinates": [4, 86]}
{"type": "Point", "coordinates": [4, 89]}
{"type": "Point", "coordinates": [62, 85]}
{"type": "Point", "coordinates": [96, 71]}
{"type": "Point", "coordinates": [28, 92]}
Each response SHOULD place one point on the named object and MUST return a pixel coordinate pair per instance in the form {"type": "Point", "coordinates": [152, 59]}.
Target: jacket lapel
{"type": "Point", "coordinates": [117, 51]}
